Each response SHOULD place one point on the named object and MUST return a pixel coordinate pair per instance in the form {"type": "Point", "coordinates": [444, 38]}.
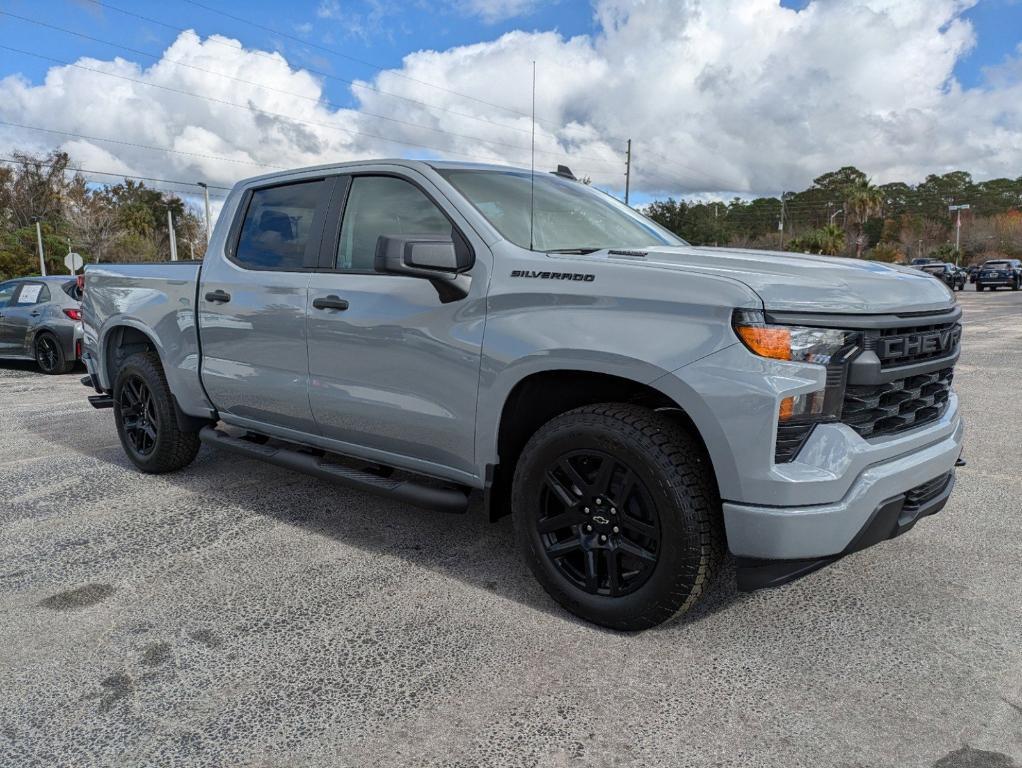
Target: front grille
{"type": "Point", "coordinates": [916, 344]}
{"type": "Point", "coordinates": [884, 409]}
{"type": "Point", "coordinates": [928, 491]}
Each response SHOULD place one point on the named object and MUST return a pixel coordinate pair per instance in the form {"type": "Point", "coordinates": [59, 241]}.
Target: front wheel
{"type": "Point", "coordinates": [617, 514]}
{"type": "Point", "coordinates": [146, 419]}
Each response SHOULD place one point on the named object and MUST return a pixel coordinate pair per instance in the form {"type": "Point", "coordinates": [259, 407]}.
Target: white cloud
{"type": "Point", "coordinates": [728, 95]}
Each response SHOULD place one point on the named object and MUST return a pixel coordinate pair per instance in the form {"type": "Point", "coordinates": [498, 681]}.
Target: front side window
{"type": "Point", "coordinates": [278, 225]}
{"type": "Point", "coordinates": [7, 293]}
{"type": "Point", "coordinates": [547, 213]}
{"type": "Point", "coordinates": [384, 205]}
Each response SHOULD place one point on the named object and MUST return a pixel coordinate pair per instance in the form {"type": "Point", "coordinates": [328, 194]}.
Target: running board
{"type": "Point", "coordinates": [439, 499]}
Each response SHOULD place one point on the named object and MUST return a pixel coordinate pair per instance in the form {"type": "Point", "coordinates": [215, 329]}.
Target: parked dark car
{"type": "Point", "coordinates": [923, 260]}
{"type": "Point", "coordinates": [40, 319]}
{"type": "Point", "coordinates": [973, 270]}
{"type": "Point", "coordinates": [953, 277]}
{"type": "Point", "coordinates": [998, 273]}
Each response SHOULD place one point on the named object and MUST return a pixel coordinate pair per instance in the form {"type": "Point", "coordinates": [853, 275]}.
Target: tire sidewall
{"type": "Point", "coordinates": [137, 365]}
{"type": "Point", "coordinates": [61, 363]}
{"type": "Point", "coordinates": [674, 557]}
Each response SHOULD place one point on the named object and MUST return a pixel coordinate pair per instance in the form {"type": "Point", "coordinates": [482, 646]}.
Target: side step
{"type": "Point", "coordinates": [101, 401]}
{"type": "Point", "coordinates": [440, 499]}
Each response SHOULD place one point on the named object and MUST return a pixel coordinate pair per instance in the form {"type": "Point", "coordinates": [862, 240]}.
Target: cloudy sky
{"type": "Point", "coordinates": [718, 96]}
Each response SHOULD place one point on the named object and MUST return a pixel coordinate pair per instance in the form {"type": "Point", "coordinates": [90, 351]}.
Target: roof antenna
{"type": "Point", "coordinates": [532, 176]}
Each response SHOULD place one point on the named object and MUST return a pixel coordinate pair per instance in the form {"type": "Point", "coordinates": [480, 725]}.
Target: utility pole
{"type": "Point", "coordinates": [628, 170]}
{"type": "Point", "coordinates": [958, 229]}
{"type": "Point", "coordinates": [171, 235]}
{"type": "Point", "coordinates": [780, 223]}
{"type": "Point", "coordinates": [205, 194]}
{"type": "Point", "coordinates": [39, 241]}
{"type": "Point", "coordinates": [715, 230]}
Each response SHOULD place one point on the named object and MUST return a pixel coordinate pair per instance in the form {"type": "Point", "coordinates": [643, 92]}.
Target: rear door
{"type": "Point", "coordinates": [21, 315]}
{"type": "Point", "coordinates": [397, 369]}
{"type": "Point", "coordinates": [252, 304]}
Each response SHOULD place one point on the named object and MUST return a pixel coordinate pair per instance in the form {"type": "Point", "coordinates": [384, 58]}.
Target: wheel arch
{"type": "Point", "coordinates": [540, 396]}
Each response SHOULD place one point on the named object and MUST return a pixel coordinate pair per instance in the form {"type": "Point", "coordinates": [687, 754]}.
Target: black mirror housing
{"type": "Point", "coordinates": [437, 258]}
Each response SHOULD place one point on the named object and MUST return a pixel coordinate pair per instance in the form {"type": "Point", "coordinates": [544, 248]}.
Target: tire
{"type": "Point", "coordinates": [1015, 285]}
{"type": "Point", "coordinates": [146, 419]}
{"type": "Point", "coordinates": [670, 510]}
{"type": "Point", "coordinates": [979, 288]}
{"type": "Point", "coordinates": [49, 355]}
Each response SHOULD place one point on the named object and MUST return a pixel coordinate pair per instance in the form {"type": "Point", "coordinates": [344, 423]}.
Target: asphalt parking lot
{"type": "Point", "coordinates": [237, 614]}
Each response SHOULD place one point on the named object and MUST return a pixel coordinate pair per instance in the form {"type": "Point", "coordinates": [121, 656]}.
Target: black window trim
{"type": "Point", "coordinates": [335, 218]}
{"type": "Point", "coordinates": [312, 247]}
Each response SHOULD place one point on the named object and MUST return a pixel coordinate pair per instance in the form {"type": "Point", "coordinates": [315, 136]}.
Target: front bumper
{"type": "Point", "coordinates": [892, 518]}
{"type": "Point", "coordinates": [824, 530]}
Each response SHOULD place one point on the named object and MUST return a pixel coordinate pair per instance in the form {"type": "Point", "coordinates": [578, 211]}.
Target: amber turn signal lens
{"type": "Point", "coordinates": [786, 409]}
{"type": "Point", "coordinates": [767, 341]}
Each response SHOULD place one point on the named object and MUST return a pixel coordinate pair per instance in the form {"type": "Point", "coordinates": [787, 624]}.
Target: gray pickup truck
{"type": "Point", "coordinates": [432, 330]}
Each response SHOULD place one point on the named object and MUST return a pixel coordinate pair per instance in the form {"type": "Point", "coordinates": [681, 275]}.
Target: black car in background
{"type": "Point", "coordinates": [998, 273]}
{"type": "Point", "coordinates": [40, 319]}
{"type": "Point", "coordinates": [953, 277]}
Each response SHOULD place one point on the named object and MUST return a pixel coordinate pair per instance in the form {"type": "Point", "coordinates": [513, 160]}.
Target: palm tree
{"type": "Point", "coordinates": [862, 201]}
{"type": "Point", "coordinates": [831, 239]}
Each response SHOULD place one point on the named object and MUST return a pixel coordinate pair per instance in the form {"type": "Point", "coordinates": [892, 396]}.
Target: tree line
{"type": "Point", "coordinates": [125, 222]}
{"type": "Point", "coordinates": [843, 213]}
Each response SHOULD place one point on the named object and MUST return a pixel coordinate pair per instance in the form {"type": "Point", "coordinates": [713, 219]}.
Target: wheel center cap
{"type": "Point", "coordinates": [600, 520]}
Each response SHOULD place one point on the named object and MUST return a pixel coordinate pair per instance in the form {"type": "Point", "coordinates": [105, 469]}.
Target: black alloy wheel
{"type": "Point", "coordinates": [140, 418]}
{"type": "Point", "coordinates": [48, 355]}
{"type": "Point", "coordinates": [598, 523]}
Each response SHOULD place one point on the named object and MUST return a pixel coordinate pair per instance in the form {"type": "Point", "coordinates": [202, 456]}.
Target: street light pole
{"type": "Point", "coordinates": [205, 194]}
{"type": "Point", "coordinates": [39, 241]}
{"type": "Point", "coordinates": [172, 236]}
{"type": "Point", "coordinates": [958, 229]}
{"type": "Point", "coordinates": [628, 170]}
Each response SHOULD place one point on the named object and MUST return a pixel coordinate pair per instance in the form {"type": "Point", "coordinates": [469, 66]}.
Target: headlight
{"type": "Point", "coordinates": [789, 342]}
{"type": "Point", "coordinates": [828, 347]}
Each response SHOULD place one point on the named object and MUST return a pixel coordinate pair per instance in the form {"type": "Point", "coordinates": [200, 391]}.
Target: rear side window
{"type": "Point", "coordinates": [280, 224]}
{"type": "Point", "coordinates": [32, 293]}
{"type": "Point", "coordinates": [384, 205]}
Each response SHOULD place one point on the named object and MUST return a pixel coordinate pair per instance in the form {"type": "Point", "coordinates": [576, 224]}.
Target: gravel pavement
{"type": "Point", "coordinates": [237, 614]}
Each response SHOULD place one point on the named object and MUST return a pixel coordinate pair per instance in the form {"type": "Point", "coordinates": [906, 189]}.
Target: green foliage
{"type": "Point", "coordinates": [886, 252]}
{"type": "Point", "coordinates": [125, 222]}
{"type": "Point", "coordinates": [911, 219]}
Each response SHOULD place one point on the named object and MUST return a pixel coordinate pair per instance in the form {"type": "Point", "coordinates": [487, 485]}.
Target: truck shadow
{"type": "Point", "coordinates": [466, 547]}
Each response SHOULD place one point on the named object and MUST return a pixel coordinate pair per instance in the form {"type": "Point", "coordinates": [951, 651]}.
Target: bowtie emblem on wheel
{"type": "Point", "coordinates": [600, 520]}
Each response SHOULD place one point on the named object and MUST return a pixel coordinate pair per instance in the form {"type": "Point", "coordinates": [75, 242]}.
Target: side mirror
{"type": "Point", "coordinates": [437, 258]}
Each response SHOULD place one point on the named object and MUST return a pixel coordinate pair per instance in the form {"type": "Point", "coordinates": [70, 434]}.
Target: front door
{"type": "Point", "coordinates": [252, 307]}
{"type": "Point", "coordinates": [397, 370]}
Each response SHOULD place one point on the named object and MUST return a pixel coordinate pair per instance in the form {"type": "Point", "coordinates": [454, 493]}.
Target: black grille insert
{"type": "Point", "coordinates": [917, 344]}
{"type": "Point", "coordinates": [898, 405]}
{"type": "Point", "coordinates": [925, 492]}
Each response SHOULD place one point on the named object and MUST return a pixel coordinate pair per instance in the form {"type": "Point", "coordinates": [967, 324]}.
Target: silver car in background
{"type": "Point", "coordinates": [40, 319]}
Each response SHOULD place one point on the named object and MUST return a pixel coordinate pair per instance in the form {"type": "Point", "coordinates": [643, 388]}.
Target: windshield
{"type": "Point", "coordinates": [934, 268]}
{"type": "Point", "coordinates": [569, 216]}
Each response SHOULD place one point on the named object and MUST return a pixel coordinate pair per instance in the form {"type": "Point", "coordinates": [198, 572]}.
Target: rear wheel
{"type": "Point", "coordinates": [49, 355]}
{"type": "Point", "coordinates": [617, 514]}
{"type": "Point", "coordinates": [146, 419]}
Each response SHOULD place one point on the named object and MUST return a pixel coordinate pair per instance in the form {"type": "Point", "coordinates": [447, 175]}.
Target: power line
{"type": "Point", "coordinates": [319, 73]}
{"type": "Point", "coordinates": [114, 173]}
{"type": "Point", "coordinates": [313, 99]}
{"type": "Point", "coordinates": [371, 65]}
{"type": "Point", "coordinates": [249, 108]}
{"type": "Point", "coordinates": [138, 146]}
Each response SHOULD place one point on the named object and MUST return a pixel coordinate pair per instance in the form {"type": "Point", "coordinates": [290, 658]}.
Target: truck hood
{"type": "Point", "coordinates": [805, 283]}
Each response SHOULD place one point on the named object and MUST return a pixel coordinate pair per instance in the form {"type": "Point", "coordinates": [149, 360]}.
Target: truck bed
{"type": "Point", "coordinates": [159, 299]}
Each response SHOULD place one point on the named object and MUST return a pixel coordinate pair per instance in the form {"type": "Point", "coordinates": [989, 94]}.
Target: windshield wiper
{"type": "Point", "coordinates": [581, 251]}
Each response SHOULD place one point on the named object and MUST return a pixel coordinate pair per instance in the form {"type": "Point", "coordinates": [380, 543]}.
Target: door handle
{"type": "Point", "coordinates": [218, 296]}
{"type": "Point", "coordinates": [34, 314]}
{"type": "Point", "coordinates": [330, 302]}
